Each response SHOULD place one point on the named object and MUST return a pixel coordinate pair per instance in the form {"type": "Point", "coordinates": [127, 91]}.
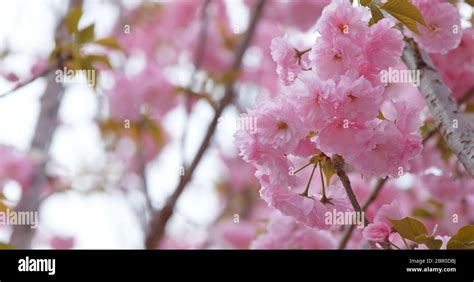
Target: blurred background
{"type": "Point", "coordinates": [100, 162]}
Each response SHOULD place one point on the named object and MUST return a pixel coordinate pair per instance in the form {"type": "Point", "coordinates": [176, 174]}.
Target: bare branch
{"type": "Point", "coordinates": [23, 235]}
{"type": "Point", "coordinates": [375, 192]}
{"type": "Point", "coordinates": [24, 83]}
{"type": "Point", "coordinates": [158, 225]}
{"type": "Point", "coordinates": [338, 163]}
{"type": "Point", "coordinates": [199, 56]}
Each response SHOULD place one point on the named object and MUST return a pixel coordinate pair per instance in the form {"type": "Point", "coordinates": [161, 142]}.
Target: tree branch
{"type": "Point", "coordinates": [23, 235]}
{"type": "Point", "coordinates": [348, 233]}
{"type": "Point", "coordinates": [24, 83]}
{"type": "Point", "coordinates": [465, 98]}
{"type": "Point", "coordinates": [159, 221]}
{"type": "Point", "coordinates": [450, 122]}
{"type": "Point", "coordinates": [338, 163]}
{"type": "Point", "coordinates": [199, 57]}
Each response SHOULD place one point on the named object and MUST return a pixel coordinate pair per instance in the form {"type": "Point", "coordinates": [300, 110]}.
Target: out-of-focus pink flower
{"type": "Point", "coordinates": [444, 188]}
{"type": "Point", "coordinates": [235, 234]}
{"type": "Point", "coordinates": [169, 243]}
{"type": "Point", "coordinates": [388, 211]}
{"type": "Point", "coordinates": [39, 67]}
{"type": "Point", "coordinates": [282, 12]}
{"type": "Point", "coordinates": [218, 54]}
{"type": "Point", "coordinates": [283, 232]}
{"type": "Point", "coordinates": [149, 91]}
{"type": "Point", "coordinates": [380, 229]}
{"type": "Point", "coordinates": [62, 243]}
{"type": "Point", "coordinates": [11, 76]}
{"type": "Point", "coordinates": [240, 175]}
{"type": "Point", "coordinates": [16, 166]}
{"type": "Point", "coordinates": [444, 22]}
{"type": "Point", "coordinates": [457, 66]}
{"type": "Point", "coordinates": [377, 232]}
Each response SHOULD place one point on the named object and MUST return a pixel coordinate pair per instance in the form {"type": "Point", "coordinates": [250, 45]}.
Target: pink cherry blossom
{"type": "Point", "coordinates": [132, 97]}
{"type": "Point", "coordinates": [388, 211]}
{"type": "Point", "coordinates": [287, 59]}
{"type": "Point", "coordinates": [444, 26]}
{"type": "Point", "coordinates": [359, 101]}
{"type": "Point", "coordinates": [457, 66]}
{"type": "Point", "coordinates": [62, 243]}
{"type": "Point", "coordinates": [283, 232]}
{"type": "Point", "coordinates": [235, 234]}
{"type": "Point", "coordinates": [384, 45]}
{"type": "Point", "coordinates": [377, 232]}
{"type": "Point", "coordinates": [341, 20]}
{"type": "Point", "coordinates": [16, 166]}
{"type": "Point", "coordinates": [380, 229]}
{"type": "Point", "coordinates": [334, 58]}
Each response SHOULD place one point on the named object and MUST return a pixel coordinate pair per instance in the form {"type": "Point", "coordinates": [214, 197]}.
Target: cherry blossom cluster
{"type": "Point", "coordinates": [334, 104]}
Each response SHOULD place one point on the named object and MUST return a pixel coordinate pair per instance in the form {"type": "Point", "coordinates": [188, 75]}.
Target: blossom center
{"type": "Point", "coordinates": [282, 125]}
{"type": "Point", "coordinates": [337, 57]}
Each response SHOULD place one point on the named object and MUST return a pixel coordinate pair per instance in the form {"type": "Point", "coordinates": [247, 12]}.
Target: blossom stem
{"type": "Point", "coordinates": [405, 242]}
{"type": "Point", "coordinates": [324, 198]}
{"type": "Point", "coordinates": [301, 168]}
{"type": "Point", "coordinates": [370, 199]}
{"type": "Point", "coordinates": [392, 244]}
{"type": "Point", "coordinates": [338, 162]}
{"type": "Point", "coordinates": [301, 53]}
{"type": "Point", "coordinates": [305, 193]}
{"type": "Point", "coordinates": [30, 80]}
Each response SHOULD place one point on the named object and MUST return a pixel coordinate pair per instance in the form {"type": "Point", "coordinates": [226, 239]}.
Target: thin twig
{"type": "Point", "coordinates": [375, 192]}
{"type": "Point", "coordinates": [198, 59]}
{"type": "Point", "coordinates": [160, 219]}
{"type": "Point", "coordinates": [26, 82]}
{"type": "Point", "coordinates": [338, 163]}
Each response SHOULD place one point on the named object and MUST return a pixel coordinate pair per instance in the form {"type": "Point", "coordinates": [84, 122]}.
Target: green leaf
{"type": "Point", "coordinates": [406, 13]}
{"type": "Point", "coordinates": [3, 207]}
{"type": "Point", "coordinates": [5, 246]}
{"type": "Point", "coordinates": [469, 108]}
{"type": "Point", "coordinates": [86, 34]}
{"type": "Point", "coordinates": [72, 19]}
{"type": "Point", "coordinates": [410, 228]}
{"type": "Point", "coordinates": [429, 241]}
{"type": "Point", "coordinates": [420, 212]}
{"type": "Point", "coordinates": [443, 147]}
{"type": "Point", "coordinates": [464, 239]}
{"type": "Point", "coordinates": [377, 15]}
{"type": "Point", "coordinates": [381, 116]}
{"type": "Point", "coordinates": [365, 2]}
{"type": "Point", "coordinates": [108, 42]}
{"type": "Point", "coordinates": [155, 132]}
{"type": "Point", "coordinates": [328, 170]}
{"type": "Point", "coordinates": [90, 59]}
